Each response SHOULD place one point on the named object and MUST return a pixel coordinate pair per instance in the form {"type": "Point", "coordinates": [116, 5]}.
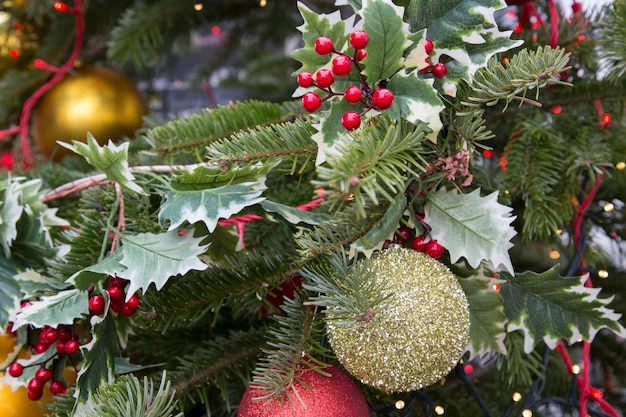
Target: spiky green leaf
{"type": "Point", "coordinates": [61, 308]}
{"type": "Point", "coordinates": [470, 226]}
{"type": "Point", "coordinates": [110, 158]}
{"type": "Point", "coordinates": [151, 258]}
{"type": "Point", "coordinates": [552, 308]}
{"type": "Point", "coordinates": [293, 215]}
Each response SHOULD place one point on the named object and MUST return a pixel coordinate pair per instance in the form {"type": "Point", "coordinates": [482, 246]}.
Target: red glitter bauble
{"type": "Point", "coordinates": [322, 396]}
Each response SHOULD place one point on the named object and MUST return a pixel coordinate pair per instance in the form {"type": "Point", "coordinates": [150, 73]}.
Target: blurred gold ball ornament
{"type": "Point", "coordinates": [92, 99]}
{"type": "Point", "coordinates": [419, 333]}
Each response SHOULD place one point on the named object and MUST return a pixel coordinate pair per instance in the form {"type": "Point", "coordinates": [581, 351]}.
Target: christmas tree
{"type": "Point", "coordinates": [417, 210]}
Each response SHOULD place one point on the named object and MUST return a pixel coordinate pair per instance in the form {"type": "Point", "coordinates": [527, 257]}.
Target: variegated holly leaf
{"type": "Point", "coordinates": [553, 308]}
{"type": "Point", "coordinates": [112, 159]}
{"type": "Point", "coordinates": [415, 55]}
{"type": "Point", "coordinates": [294, 215]}
{"type": "Point", "coordinates": [463, 30]}
{"type": "Point", "coordinates": [416, 100]}
{"type": "Point", "coordinates": [210, 205]}
{"type": "Point", "coordinates": [10, 292]}
{"type": "Point", "coordinates": [61, 308]}
{"type": "Point", "coordinates": [94, 274]}
{"type": "Point", "coordinates": [314, 26]}
{"type": "Point", "coordinates": [382, 20]}
{"type": "Point", "coordinates": [99, 354]}
{"type": "Point", "coordinates": [154, 258]}
{"type": "Point", "coordinates": [332, 132]}
{"type": "Point", "coordinates": [10, 213]}
{"type": "Point", "coordinates": [382, 231]}
{"type": "Point", "coordinates": [33, 284]}
{"type": "Point", "coordinates": [487, 318]}
{"type": "Point", "coordinates": [470, 226]}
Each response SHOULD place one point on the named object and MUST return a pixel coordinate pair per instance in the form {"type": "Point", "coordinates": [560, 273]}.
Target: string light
{"type": "Point", "coordinates": [554, 254]}
{"type": "Point", "coordinates": [263, 3]}
{"type": "Point", "coordinates": [620, 165]}
{"type": "Point", "coordinates": [487, 153]}
{"type": "Point", "coordinates": [516, 396]}
{"type": "Point", "coordinates": [469, 369]}
{"type": "Point", "coordinates": [556, 109]}
{"type": "Point", "coordinates": [575, 369]}
{"type": "Point", "coordinates": [606, 118]}
{"type": "Point", "coordinates": [400, 404]}
{"type": "Point", "coordinates": [197, 6]}
{"type": "Point", "coordinates": [59, 6]}
{"type": "Point", "coordinates": [596, 394]}
{"type": "Point", "coordinates": [603, 273]}
{"type": "Point", "coordinates": [527, 413]}
{"type": "Point", "coordinates": [439, 410]}
{"type": "Point", "coordinates": [14, 53]}
{"type": "Point", "coordinates": [608, 207]}
{"type": "Point", "coordinates": [495, 287]}
{"type": "Point", "coordinates": [559, 232]}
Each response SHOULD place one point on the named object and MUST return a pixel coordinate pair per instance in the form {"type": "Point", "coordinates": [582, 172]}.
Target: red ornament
{"type": "Point", "coordinates": [322, 396]}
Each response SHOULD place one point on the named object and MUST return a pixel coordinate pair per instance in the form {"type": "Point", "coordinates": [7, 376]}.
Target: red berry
{"type": "Point", "coordinates": [61, 347]}
{"type": "Point", "coordinates": [116, 293]}
{"type": "Point", "coordinates": [16, 370]}
{"type": "Point", "coordinates": [96, 305]}
{"type": "Point", "coordinates": [134, 301]}
{"type": "Point", "coordinates": [434, 249]}
{"type": "Point", "coordinates": [57, 387]}
{"type": "Point", "coordinates": [35, 385]}
{"type": "Point", "coordinates": [41, 347]}
{"type": "Point", "coordinates": [127, 310]}
{"type": "Point", "coordinates": [311, 101]}
{"type": "Point", "coordinates": [72, 347]}
{"type": "Point", "coordinates": [305, 79]}
{"type": "Point", "coordinates": [419, 244]}
{"type": "Point", "coordinates": [403, 234]}
{"type": "Point", "coordinates": [43, 375]}
{"type": "Point", "coordinates": [65, 333]}
{"type": "Point", "coordinates": [440, 70]}
{"type": "Point", "coordinates": [382, 98]}
{"type": "Point", "coordinates": [34, 395]}
{"type": "Point", "coordinates": [323, 45]}
{"type": "Point", "coordinates": [353, 94]}
{"type": "Point", "coordinates": [117, 306]}
{"type": "Point", "coordinates": [428, 46]}
{"type": "Point", "coordinates": [117, 282]}
{"type": "Point", "coordinates": [359, 39]}
{"type": "Point", "coordinates": [361, 54]}
{"type": "Point", "coordinates": [26, 304]}
{"type": "Point", "coordinates": [324, 78]}
{"type": "Point", "coordinates": [351, 120]}
{"type": "Point", "coordinates": [342, 65]}
{"type": "Point", "coordinates": [50, 335]}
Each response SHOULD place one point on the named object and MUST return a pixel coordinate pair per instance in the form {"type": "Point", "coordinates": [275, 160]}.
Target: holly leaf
{"type": "Point", "coordinates": [33, 284]}
{"type": "Point", "coordinates": [416, 100]}
{"type": "Point", "coordinates": [153, 258]}
{"type": "Point", "coordinates": [463, 30]}
{"type": "Point", "coordinates": [314, 26]}
{"type": "Point", "coordinates": [100, 354]}
{"type": "Point", "coordinates": [10, 292]}
{"type": "Point", "coordinates": [94, 274]}
{"type": "Point", "coordinates": [382, 20]}
{"type": "Point", "coordinates": [294, 215]}
{"type": "Point", "coordinates": [552, 308]}
{"type": "Point", "coordinates": [110, 158]}
{"type": "Point", "coordinates": [210, 205]}
{"type": "Point", "coordinates": [10, 213]}
{"type": "Point", "coordinates": [470, 226]}
{"type": "Point", "coordinates": [487, 318]}
{"type": "Point", "coordinates": [60, 308]}
{"type": "Point", "coordinates": [415, 55]}
{"type": "Point", "coordinates": [384, 230]}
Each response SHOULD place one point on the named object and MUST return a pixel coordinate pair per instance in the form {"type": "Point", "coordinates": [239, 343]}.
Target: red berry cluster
{"type": "Point", "coordinates": [420, 243]}
{"type": "Point", "coordinates": [439, 70]}
{"type": "Point", "coordinates": [342, 64]}
{"type": "Point", "coordinates": [117, 294]}
{"type": "Point", "coordinates": [66, 342]}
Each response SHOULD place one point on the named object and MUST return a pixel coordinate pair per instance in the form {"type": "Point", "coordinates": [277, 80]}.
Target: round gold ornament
{"type": "Point", "coordinates": [418, 334]}
{"type": "Point", "coordinates": [92, 99]}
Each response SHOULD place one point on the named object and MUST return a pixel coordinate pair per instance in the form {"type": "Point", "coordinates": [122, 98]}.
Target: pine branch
{"type": "Point", "coordinates": [346, 290]}
{"type": "Point", "coordinates": [129, 397]}
{"type": "Point", "coordinates": [294, 342]}
{"type": "Point", "coordinates": [518, 369]}
{"type": "Point", "coordinates": [235, 283]}
{"type": "Point", "coordinates": [513, 81]}
{"type": "Point", "coordinates": [375, 166]}
{"type": "Point", "coordinates": [183, 141]}
{"type": "Point", "coordinates": [612, 40]}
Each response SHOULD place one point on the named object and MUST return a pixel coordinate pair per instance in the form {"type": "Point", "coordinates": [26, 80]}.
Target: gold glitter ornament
{"type": "Point", "coordinates": [419, 333]}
